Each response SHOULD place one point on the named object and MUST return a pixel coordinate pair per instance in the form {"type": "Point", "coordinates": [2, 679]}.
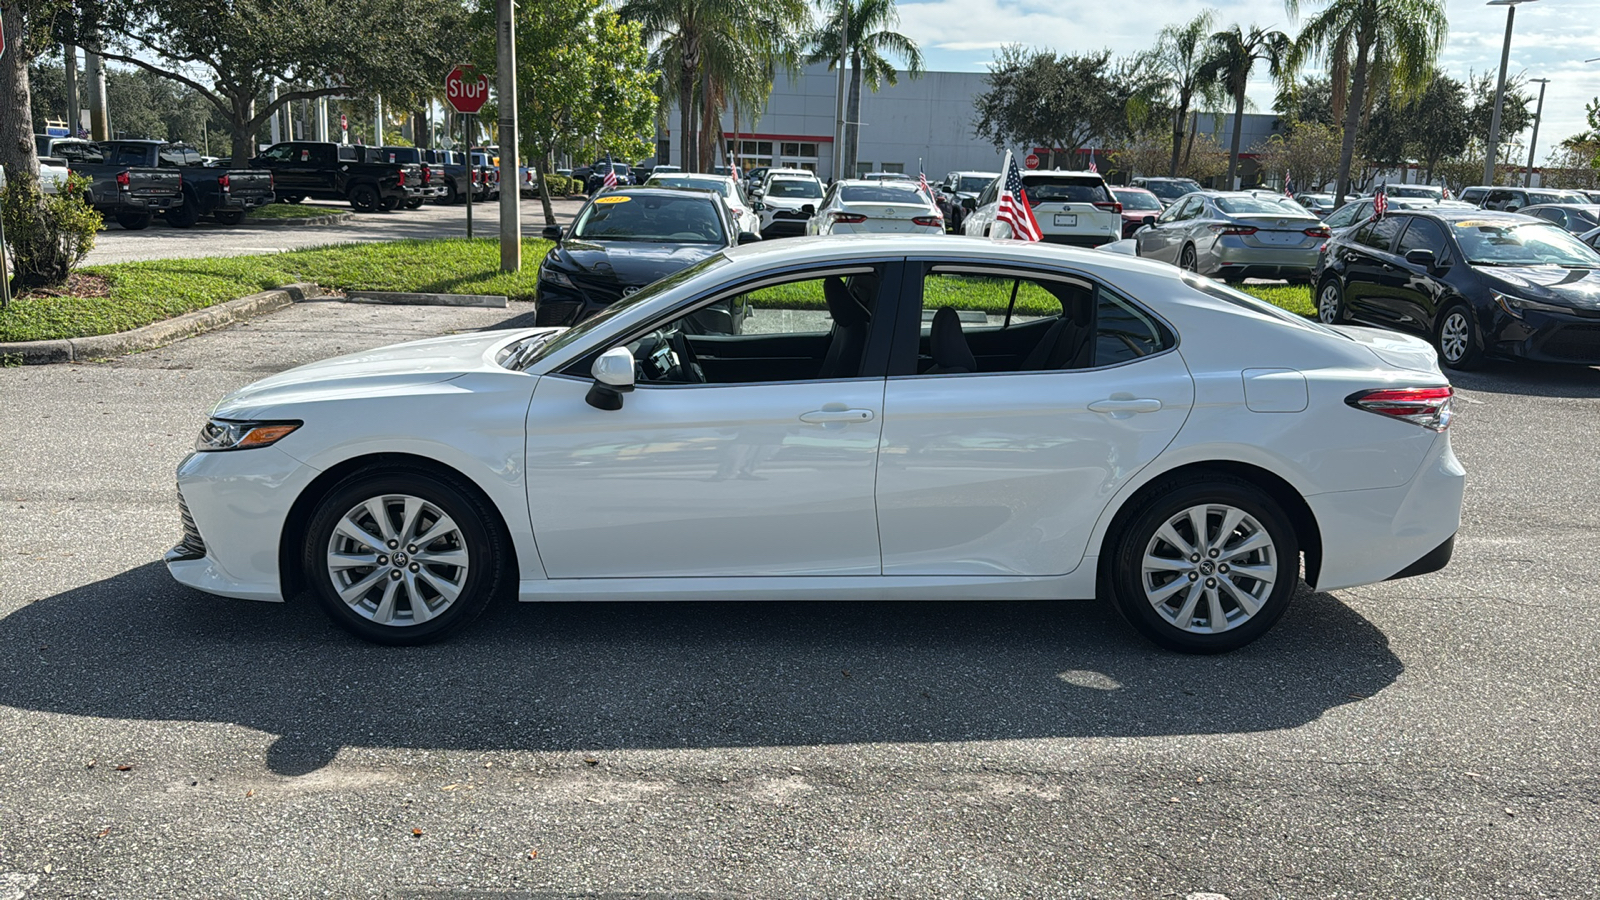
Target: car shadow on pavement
{"type": "Point", "coordinates": [607, 676]}
{"type": "Point", "coordinates": [1531, 380]}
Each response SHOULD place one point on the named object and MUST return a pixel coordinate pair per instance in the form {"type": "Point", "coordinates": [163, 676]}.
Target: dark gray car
{"type": "Point", "coordinates": [1577, 218]}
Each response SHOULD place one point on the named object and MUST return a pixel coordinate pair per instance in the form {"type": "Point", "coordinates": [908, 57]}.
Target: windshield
{"type": "Point", "coordinates": [1171, 190]}
{"type": "Point", "coordinates": [803, 188]}
{"type": "Point", "coordinates": [1414, 190]}
{"type": "Point", "coordinates": [1497, 242]}
{"type": "Point", "coordinates": [577, 332]}
{"type": "Point", "coordinates": [1138, 200]}
{"type": "Point", "coordinates": [972, 184]}
{"type": "Point", "coordinates": [881, 193]}
{"type": "Point", "coordinates": [689, 219]}
{"type": "Point", "coordinates": [1260, 205]}
{"type": "Point", "coordinates": [1556, 197]}
{"type": "Point", "coordinates": [1065, 189]}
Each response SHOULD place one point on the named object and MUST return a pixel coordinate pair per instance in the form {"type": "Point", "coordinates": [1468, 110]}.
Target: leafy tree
{"type": "Point", "coordinates": [1180, 59]}
{"type": "Point", "coordinates": [1387, 41]}
{"type": "Point", "coordinates": [145, 105]}
{"type": "Point", "coordinates": [1231, 58]}
{"type": "Point", "coordinates": [29, 30]}
{"type": "Point", "coordinates": [1308, 100]}
{"type": "Point", "coordinates": [1308, 153]}
{"type": "Point", "coordinates": [1516, 109]}
{"type": "Point", "coordinates": [326, 47]}
{"type": "Point", "coordinates": [871, 36]}
{"type": "Point", "coordinates": [1038, 98]}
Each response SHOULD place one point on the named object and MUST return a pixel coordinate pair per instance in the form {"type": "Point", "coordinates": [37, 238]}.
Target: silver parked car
{"type": "Point", "coordinates": [1235, 235]}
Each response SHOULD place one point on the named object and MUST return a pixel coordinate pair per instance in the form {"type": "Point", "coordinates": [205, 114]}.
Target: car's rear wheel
{"type": "Point", "coordinates": [291, 198]}
{"type": "Point", "coordinates": [1188, 260]}
{"type": "Point", "coordinates": [402, 556]}
{"type": "Point", "coordinates": [1330, 303]}
{"type": "Point", "coordinates": [1205, 567]}
{"type": "Point", "coordinates": [364, 198]}
{"type": "Point", "coordinates": [134, 221]}
{"type": "Point", "coordinates": [229, 217]}
{"type": "Point", "coordinates": [184, 215]}
{"type": "Point", "coordinates": [1457, 339]}
{"type": "Point", "coordinates": [390, 204]}
{"type": "Point", "coordinates": [414, 203]}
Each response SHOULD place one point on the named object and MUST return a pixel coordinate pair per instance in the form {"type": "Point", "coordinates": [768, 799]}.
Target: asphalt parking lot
{"type": "Point", "coordinates": [162, 241]}
{"type": "Point", "coordinates": [1428, 738]}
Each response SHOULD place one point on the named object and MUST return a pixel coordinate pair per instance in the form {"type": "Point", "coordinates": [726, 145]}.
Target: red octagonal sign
{"type": "Point", "coordinates": [465, 90]}
{"type": "Point", "coordinates": [1031, 161]}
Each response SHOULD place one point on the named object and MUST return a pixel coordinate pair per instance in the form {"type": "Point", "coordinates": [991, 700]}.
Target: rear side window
{"type": "Point", "coordinates": [1125, 332]}
{"type": "Point", "coordinates": [1379, 234]}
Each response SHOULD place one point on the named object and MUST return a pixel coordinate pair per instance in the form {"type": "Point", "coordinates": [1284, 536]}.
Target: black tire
{"type": "Point", "coordinates": [414, 204]}
{"type": "Point", "coordinates": [134, 221]}
{"type": "Point", "coordinates": [364, 198]}
{"type": "Point", "coordinates": [486, 549]}
{"type": "Point", "coordinates": [451, 195]}
{"type": "Point", "coordinates": [229, 217]}
{"type": "Point", "coordinates": [390, 204]}
{"type": "Point", "coordinates": [1138, 536]}
{"type": "Point", "coordinates": [183, 216]}
{"type": "Point", "coordinates": [1188, 259]}
{"type": "Point", "coordinates": [1457, 338]}
{"type": "Point", "coordinates": [1331, 309]}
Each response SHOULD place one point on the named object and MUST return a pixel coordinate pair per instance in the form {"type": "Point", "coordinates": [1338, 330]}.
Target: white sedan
{"type": "Point", "coordinates": [874, 207]}
{"type": "Point", "coordinates": [970, 420]}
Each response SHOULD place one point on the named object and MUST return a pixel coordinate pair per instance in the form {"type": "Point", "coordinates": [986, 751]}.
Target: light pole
{"type": "Point", "coordinates": [1527, 180]}
{"type": "Point", "coordinates": [1500, 90]}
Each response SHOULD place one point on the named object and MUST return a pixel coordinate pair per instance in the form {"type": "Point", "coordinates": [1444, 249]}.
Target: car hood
{"type": "Point", "coordinates": [1577, 288]}
{"type": "Point", "coordinates": [382, 370]}
{"type": "Point", "coordinates": [628, 263]}
{"type": "Point", "coordinates": [1400, 350]}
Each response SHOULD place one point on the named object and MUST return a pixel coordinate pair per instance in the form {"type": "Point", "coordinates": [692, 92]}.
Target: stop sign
{"type": "Point", "coordinates": [465, 90]}
{"type": "Point", "coordinates": [1031, 161]}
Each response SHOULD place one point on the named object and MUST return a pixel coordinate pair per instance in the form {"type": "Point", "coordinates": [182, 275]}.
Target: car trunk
{"type": "Point", "coordinates": [148, 183]}
{"type": "Point", "coordinates": [883, 217]}
{"type": "Point", "coordinates": [1274, 231]}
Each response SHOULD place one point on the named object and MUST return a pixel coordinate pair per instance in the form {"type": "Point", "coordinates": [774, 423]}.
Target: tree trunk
{"type": "Point", "coordinates": [1177, 132]}
{"type": "Point", "coordinates": [419, 130]}
{"type": "Point", "coordinates": [17, 151]}
{"type": "Point", "coordinates": [240, 119]}
{"type": "Point", "coordinates": [686, 149]}
{"type": "Point", "coordinates": [1238, 133]}
{"type": "Point", "coordinates": [707, 111]}
{"type": "Point", "coordinates": [852, 117]}
{"type": "Point", "coordinates": [1194, 129]}
{"type": "Point", "coordinates": [1352, 116]}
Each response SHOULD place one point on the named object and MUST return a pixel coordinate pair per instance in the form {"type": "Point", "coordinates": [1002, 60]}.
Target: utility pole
{"type": "Point", "coordinates": [377, 121]}
{"type": "Point", "coordinates": [838, 130]}
{"type": "Point", "coordinates": [272, 97]}
{"type": "Point", "coordinates": [74, 105]}
{"type": "Point", "coordinates": [1533, 143]}
{"type": "Point", "coordinates": [510, 187]}
{"type": "Point", "coordinates": [1493, 148]}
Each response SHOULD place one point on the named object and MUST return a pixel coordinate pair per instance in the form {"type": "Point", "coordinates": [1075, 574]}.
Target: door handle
{"type": "Point", "coordinates": [825, 416]}
{"type": "Point", "coordinates": [1143, 405]}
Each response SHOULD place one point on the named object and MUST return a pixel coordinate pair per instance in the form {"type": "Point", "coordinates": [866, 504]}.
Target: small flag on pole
{"type": "Point", "coordinates": [1380, 201]}
{"type": "Point", "coordinates": [610, 181]}
{"type": "Point", "coordinates": [1013, 208]}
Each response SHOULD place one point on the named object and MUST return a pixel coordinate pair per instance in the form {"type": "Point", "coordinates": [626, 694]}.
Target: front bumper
{"type": "Point", "coordinates": [561, 305]}
{"type": "Point", "coordinates": [1546, 337]}
{"type": "Point", "coordinates": [785, 226]}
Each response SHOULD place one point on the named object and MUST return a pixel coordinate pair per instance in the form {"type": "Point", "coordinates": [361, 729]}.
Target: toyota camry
{"type": "Point", "coordinates": [908, 417]}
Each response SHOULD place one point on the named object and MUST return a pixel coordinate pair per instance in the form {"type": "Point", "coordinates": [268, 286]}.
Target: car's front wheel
{"type": "Point", "coordinates": [1458, 340]}
{"type": "Point", "coordinates": [402, 556]}
{"type": "Point", "coordinates": [1205, 567]}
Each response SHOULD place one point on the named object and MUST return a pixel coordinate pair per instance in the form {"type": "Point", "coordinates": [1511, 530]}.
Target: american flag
{"type": "Point", "coordinates": [1380, 202]}
{"type": "Point", "coordinates": [610, 181]}
{"type": "Point", "coordinates": [1288, 185]}
{"type": "Point", "coordinates": [1013, 208]}
{"type": "Point", "coordinates": [1092, 167]}
{"type": "Point", "coordinates": [922, 179]}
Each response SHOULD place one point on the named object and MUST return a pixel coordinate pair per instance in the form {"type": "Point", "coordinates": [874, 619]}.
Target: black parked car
{"type": "Point", "coordinates": [1476, 283]}
{"type": "Point", "coordinates": [1577, 218]}
{"type": "Point", "coordinates": [627, 238]}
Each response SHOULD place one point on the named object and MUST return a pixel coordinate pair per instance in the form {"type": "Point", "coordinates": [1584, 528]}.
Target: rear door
{"type": "Point", "coordinates": [1372, 272]}
{"type": "Point", "coordinates": [1420, 291]}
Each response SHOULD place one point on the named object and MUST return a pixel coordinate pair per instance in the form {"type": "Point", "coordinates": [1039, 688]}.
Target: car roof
{"type": "Point", "coordinates": [1129, 187]}
{"type": "Point", "coordinates": [1453, 213]}
{"type": "Point", "coordinates": [966, 172]}
{"type": "Point", "coordinates": [1586, 207]}
{"type": "Point", "coordinates": [657, 191]}
{"type": "Point", "coordinates": [805, 250]}
{"type": "Point", "coordinates": [1151, 178]}
{"type": "Point", "coordinates": [1063, 173]}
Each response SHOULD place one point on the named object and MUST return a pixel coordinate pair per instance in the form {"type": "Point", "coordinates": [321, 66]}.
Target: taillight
{"type": "Point", "coordinates": [474, 176]}
{"type": "Point", "coordinates": [224, 183]}
{"type": "Point", "coordinates": [1110, 207]}
{"type": "Point", "coordinates": [1235, 229]}
{"type": "Point", "coordinates": [122, 180]}
{"type": "Point", "coordinates": [1320, 231]}
{"type": "Point", "coordinates": [1428, 407]}
{"type": "Point", "coordinates": [427, 175]}
{"type": "Point", "coordinates": [848, 218]}
{"type": "Point", "coordinates": [402, 173]}
{"type": "Point", "coordinates": [930, 221]}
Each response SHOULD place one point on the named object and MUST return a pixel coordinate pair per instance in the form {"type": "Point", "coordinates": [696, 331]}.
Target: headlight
{"type": "Point", "coordinates": [221, 434]}
{"type": "Point", "coordinates": [1515, 306]}
{"type": "Point", "coordinates": [555, 276]}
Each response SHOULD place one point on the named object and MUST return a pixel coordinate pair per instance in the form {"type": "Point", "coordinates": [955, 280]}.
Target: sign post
{"type": "Point", "coordinates": [466, 91]}
{"type": "Point", "coordinates": [5, 275]}
{"type": "Point", "coordinates": [510, 202]}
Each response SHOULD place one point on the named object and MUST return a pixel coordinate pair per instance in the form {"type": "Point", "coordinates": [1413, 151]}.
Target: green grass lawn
{"type": "Point", "coordinates": [292, 211]}
{"type": "Point", "coordinates": [140, 293]}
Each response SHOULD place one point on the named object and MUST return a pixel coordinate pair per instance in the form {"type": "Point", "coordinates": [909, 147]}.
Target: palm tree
{"type": "Point", "coordinates": [1180, 55]}
{"type": "Point", "coordinates": [870, 37]}
{"type": "Point", "coordinates": [1232, 57]}
{"type": "Point", "coordinates": [1363, 41]}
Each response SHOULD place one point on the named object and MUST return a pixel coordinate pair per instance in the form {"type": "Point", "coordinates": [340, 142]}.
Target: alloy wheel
{"type": "Point", "coordinates": [1328, 304]}
{"type": "Point", "coordinates": [397, 560]}
{"type": "Point", "coordinates": [1455, 336]}
{"type": "Point", "coordinates": [1209, 568]}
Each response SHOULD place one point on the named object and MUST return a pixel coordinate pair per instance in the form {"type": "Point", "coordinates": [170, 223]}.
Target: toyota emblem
{"type": "Point", "coordinates": [629, 291]}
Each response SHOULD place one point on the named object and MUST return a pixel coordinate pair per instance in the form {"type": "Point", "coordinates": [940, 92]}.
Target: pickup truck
{"type": "Point", "coordinates": [318, 170]}
{"type": "Point", "coordinates": [129, 192]}
{"type": "Point", "coordinates": [432, 173]}
{"type": "Point", "coordinates": [226, 195]}
{"type": "Point", "coordinates": [450, 173]}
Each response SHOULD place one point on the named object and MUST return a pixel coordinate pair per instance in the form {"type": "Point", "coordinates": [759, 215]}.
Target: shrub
{"type": "Point", "coordinates": [47, 235]}
{"type": "Point", "coordinates": [561, 184]}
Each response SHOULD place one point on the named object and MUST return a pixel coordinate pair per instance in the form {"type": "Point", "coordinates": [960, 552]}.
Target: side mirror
{"type": "Point", "coordinates": [969, 203]}
{"type": "Point", "coordinates": [613, 377]}
{"type": "Point", "coordinates": [748, 237]}
{"type": "Point", "coordinates": [809, 209]}
{"type": "Point", "coordinates": [757, 205]}
{"type": "Point", "coordinates": [1148, 221]}
{"type": "Point", "coordinates": [551, 233]}
{"type": "Point", "coordinates": [1421, 258]}
{"type": "Point", "coordinates": [757, 193]}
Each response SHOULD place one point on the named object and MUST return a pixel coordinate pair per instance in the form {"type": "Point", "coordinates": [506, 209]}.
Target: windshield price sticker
{"type": "Point", "coordinates": [612, 199]}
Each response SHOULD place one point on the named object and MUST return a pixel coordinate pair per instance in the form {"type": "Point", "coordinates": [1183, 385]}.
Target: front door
{"type": "Point", "coordinates": [1004, 468]}
{"type": "Point", "coordinates": [716, 465]}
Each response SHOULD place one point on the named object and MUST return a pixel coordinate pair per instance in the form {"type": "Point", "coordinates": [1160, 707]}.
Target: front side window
{"type": "Point", "coordinates": [1423, 234]}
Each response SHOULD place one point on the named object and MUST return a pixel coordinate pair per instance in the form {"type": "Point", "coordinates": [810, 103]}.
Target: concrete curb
{"type": "Point", "coordinates": [487, 301]}
{"type": "Point", "coordinates": [329, 219]}
{"type": "Point", "coordinates": [156, 334]}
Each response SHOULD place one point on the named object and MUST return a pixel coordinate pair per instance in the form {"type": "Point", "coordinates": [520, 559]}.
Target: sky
{"type": "Point", "coordinates": [1552, 38]}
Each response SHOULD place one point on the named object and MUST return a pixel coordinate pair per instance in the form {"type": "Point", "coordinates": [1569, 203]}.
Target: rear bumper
{"type": "Point", "coordinates": [784, 228]}
{"type": "Point", "coordinates": [1080, 240]}
{"type": "Point", "coordinates": [1235, 259]}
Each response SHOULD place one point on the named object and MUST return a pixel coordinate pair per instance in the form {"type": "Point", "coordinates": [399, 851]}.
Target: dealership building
{"type": "Point", "coordinates": [927, 118]}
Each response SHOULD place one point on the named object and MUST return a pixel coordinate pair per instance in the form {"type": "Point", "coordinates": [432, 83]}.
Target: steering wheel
{"type": "Point", "coordinates": [688, 363]}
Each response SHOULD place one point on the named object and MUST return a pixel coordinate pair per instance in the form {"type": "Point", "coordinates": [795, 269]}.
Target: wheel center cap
{"type": "Point", "coordinates": [400, 560]}
{"type": "Point", "coordinates": [1207, 567]}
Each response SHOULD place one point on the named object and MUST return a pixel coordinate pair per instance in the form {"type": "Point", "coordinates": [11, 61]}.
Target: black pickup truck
{"type": "Point", "coordinates": [433, 177]}
{"type": "Point", "coordinates": [318, 170]}
{"type": "Point", "coordinates": [450, 172]}
{"type": "Point", "coordinates": [131, 192]}
{"type": "Point", "coordinates": [226, 195]}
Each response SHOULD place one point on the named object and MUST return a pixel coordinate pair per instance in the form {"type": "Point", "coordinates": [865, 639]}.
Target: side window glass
{"type": "Point", "coordinates": [1380, 234]}
{"type": "Point", "coordinates": [1125, 332]}
{"type": "Point", "coordinates": [1362, 234]}
{"type": "Point", "coordinates": [1341, 218]}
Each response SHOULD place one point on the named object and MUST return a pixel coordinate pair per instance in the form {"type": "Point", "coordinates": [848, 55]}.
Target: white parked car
{"type": "Point", "coordinates": [52, 174]}
{"type": "Point", "coordinates": [786, 200]}
{"type": "Point", "coordinates": [740, 209]}
{"type": "Point", "coordinates": [1072, 208]}
{"type": "Point", "coordinates": [874, 207]}
{"type": "Point", "coordinates": [1044, 423]}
